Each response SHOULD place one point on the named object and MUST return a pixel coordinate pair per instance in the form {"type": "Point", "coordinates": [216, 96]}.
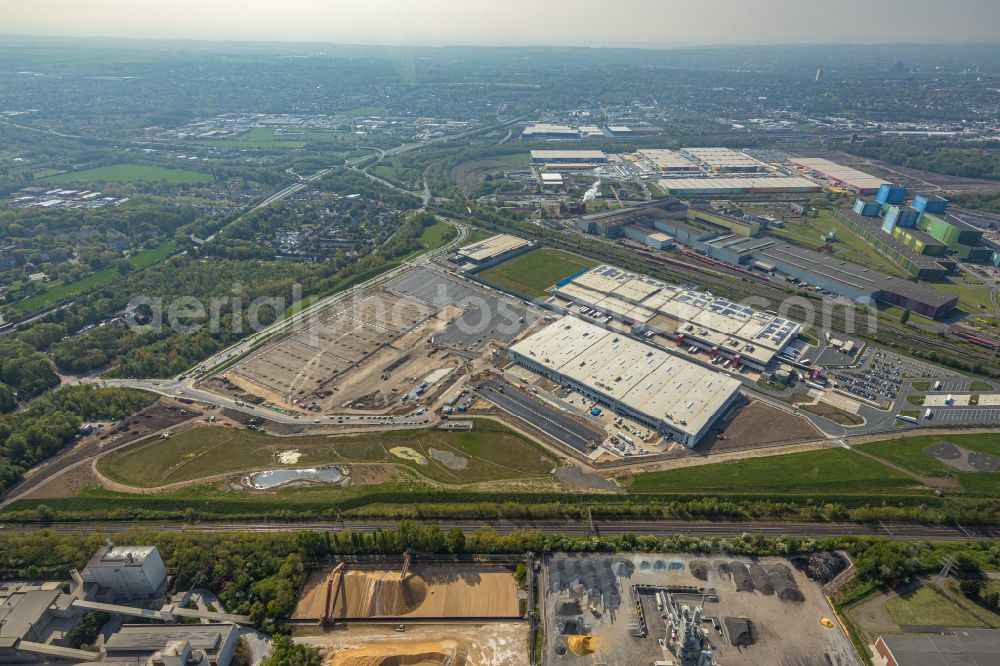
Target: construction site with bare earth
{"type": "Point", "coordinates": [380, 612]}
{"type": "Point", "coordinates": [650, 609]}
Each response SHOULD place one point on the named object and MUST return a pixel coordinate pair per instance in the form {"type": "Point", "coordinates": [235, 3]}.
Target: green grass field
{"type": "Point", "coordinates": [925, 606]}
{"type": "Point", "coordinates": [971, 293]}
{"type": "Point", "coordinates": [531, 273]}
{"type": "Point", "coordinates": [436, 235]}
{"type": "Point", "coordinates": [809, 232]}
{"type": "Point", "coordinates": [360, 111]}
{"type": "Point", "coordinates": [816, 473]}
{"type": "Point", "coordinates": [133, 173]}
{"type": "Point", "coordinates": [493, 451]}
{"type": "Point", "coordinates": [61, 291]}
{"type": "Point", "coordinates": [909, 454]}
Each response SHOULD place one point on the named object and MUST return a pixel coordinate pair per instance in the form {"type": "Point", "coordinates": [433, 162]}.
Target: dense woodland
{"type": "Point", "coordinates": [957, 159]}
{"type": "Point", "coordinates": [50, 422]}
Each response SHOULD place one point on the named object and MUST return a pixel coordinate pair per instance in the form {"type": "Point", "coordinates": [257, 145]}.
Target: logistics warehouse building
{"type": "Point", "coordinates": [674, 396]}
{"type": "Point", "coordinates": [852, 179]}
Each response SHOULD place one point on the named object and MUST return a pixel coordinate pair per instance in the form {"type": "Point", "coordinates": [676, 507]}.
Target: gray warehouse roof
{"type": "Point", "coordinates": [856, 277]}
{"type": "Point", "coordinates": [152, 637]}
{"type": "Point", "coordinates": [961, 647]}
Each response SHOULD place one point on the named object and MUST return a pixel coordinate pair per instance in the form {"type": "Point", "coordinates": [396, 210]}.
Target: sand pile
{"type": "Point", "coordinates": [403, 653]}
{"type": "Point", "coordinates": [582, 645]}
{"type": "Point", "coordinates": [431, 592]}
{"type": "Point", "coordinates": [426, 659]}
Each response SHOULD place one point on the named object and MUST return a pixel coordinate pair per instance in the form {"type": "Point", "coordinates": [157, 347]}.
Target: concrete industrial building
{"type": "Point", "coordinates": [492, 250]}
{"type": "Point", "coordinates": [610, 223]}
{"type": "Point", "coordinates": [550, 131]}
{"type": "Point", "coordinates": [662, 159]}
{"type": "Point", "coordinates": [951, 647]}
{"type": "Point", "coordinates": [852, 179]}
{"type": "Point", "coordinates": [642, 382]}
{"type": "Point", "coordinates": [723, 160]}
{"type": "Point", "coordinates": [719, 186]}
{"type": "Point", "coordinates": [856, 282]}
{"type": "Point", "coordinates": [745, 225]}
{"type": "Point", "coordinates": [173, 644]}
{"type": "Point", "coordinates": [572, 159]}
{"type": "Point", "coordinates": [126, 572]}
{"type": "Point", "coordinates": [727, 330]}
{"type": "Point", "coordinates": [648, 235]}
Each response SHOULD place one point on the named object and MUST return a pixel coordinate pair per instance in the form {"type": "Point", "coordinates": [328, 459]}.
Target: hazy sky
{"type": "Point", "coordinates": [573, 22]}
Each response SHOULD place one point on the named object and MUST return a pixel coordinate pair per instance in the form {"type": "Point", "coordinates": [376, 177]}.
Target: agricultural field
{"type": "Point", "coordinates": [816, 473]}
{"type": "Point", "coordinates": [490, 451]}
{"type": "Point", "coordinates": [61, 291]}
{"type": "Point", "coordinates": [531, 273]}
{"type": "Point", "coordinates": [133, 173]}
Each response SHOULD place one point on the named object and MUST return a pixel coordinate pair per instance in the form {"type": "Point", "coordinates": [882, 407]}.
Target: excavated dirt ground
{"type": "Point", "coordinates": [493, 644]}
{"type": "Point", "coordinates": [457, 592]}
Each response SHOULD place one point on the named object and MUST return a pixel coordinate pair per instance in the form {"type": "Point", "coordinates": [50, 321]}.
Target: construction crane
{"type": "Point", "coordinates": [331, 594]}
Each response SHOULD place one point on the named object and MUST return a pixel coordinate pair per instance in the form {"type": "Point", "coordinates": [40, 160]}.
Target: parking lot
{"type": "Point", "coordinates": [878, 377]}
{"type": "Point", "coordinates": [301, 366]}
{"type": "Point", "coordinates": [558, 425]}
{"type": "Point", "coordinates": [489, 315]}
{"type": "Point", "coordinates": [965, 415]}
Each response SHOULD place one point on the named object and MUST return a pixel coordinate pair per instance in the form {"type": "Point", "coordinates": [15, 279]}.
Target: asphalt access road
{"type": "Point", "coordinates": [574, 528]}
{"type": "Point", "coordinates": [549, 420]}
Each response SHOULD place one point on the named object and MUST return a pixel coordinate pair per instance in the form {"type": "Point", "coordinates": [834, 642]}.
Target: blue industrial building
{"type": "Point", "coordinates": [930, 203]}
{"type": "Point", "coordinates": [896, 216]}
{"type": "Point", "coordinates": [890, 194]}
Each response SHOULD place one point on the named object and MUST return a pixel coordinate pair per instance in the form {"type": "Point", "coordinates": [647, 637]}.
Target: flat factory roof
{"type": "Point", "coordinates": [757, 184]}
{"type": "Point", "coordinates": [667, 159]}
{"type": "Point", "coordinates": [118, 556]}
{"type": "Point", "coordinates": [577, 155]}
{"type": "Point", "coordinates": [152, 637]}
{"type": "Point", "coordinates": [967, 647]}
{"type": "Point", "coordinates": [852, 275]}
{"type": "Point", "coordinates": [722, 158]}
{"type": "Point", "coordinates": [493, 246]}
{"type": "Point", "coordinates": [641, 299]}
{"type": "Point", "coordinates": [641, 377]}
{"type": "Point", "coordinates": [843, 174]}
{"type": "Point", "coordinates": [549, 128]}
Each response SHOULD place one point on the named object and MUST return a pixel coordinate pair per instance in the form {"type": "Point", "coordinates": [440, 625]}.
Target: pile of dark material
{"type": "Point", "coordinates": [740, 630]}
{"type": "Point", "coordinates": [820, 567]}
{"type": "Point", "coordinates": [699, 569]}
{"type": "Point", "coordinates": [784, 583]}
{"type": "Point", "coordinates": [569, 608]}
{"type": "Point", "coordinates": [761, 581]}
{"type": "Point", "coordinates": [570, 626]}
{"type": "Point", "coordinates": [741, 577]}
{"type": "Point", "coordinates": [594, 576]}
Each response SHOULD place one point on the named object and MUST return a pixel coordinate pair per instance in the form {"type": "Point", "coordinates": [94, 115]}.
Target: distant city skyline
{"type": "Point", "coordinates": [643, 23]}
